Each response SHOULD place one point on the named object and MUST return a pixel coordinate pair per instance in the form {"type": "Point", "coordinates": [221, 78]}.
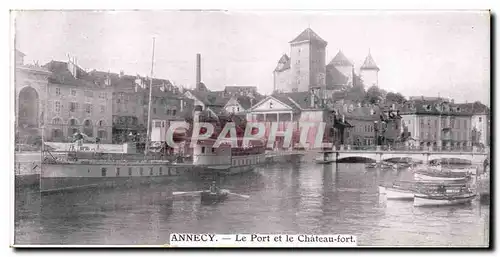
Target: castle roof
{"type": "Point", "coordinates": [369, 63]}
{"type": "Point", "coordinates": [340, 60]}
{"type": "Point", "coordinates": [283, 63]}
{"type": "Point", "coordinates": [308, 35]}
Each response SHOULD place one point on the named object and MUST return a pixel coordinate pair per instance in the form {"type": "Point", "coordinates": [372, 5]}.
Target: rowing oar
{"type": "Point", "coordinates": [243, 196]}
{"type": "Point", "coordinates": [183, 193]}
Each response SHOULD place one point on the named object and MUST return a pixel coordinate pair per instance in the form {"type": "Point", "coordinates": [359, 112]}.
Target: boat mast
{"type": "Point", "coordinates": [146, 148]}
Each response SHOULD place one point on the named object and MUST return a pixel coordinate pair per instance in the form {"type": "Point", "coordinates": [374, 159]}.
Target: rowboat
{"type": "Point", "coordinates": [395, 193]}
{"type": "Point", "coordinates": [442, 199]}
{"type": "Point", "coordinates": [208, 196]}
{"type": "Point", "coordinates": [439, 176]}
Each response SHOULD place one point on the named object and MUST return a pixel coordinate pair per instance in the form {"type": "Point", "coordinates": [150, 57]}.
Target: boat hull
{"type": "Point", "coordinates": [424, 200]}
{"type": "Point", "coordinates": [66, 177]}
{"type": "Point", "coordinates": [420, 176]}
{"type": "Point", "coordinates": [398, 194]}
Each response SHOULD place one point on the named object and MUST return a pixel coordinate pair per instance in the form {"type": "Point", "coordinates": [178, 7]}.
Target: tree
{"type": "Point", "coordinates": [395, 98]}
{"type": "Point", "coordinates": [373, 95]}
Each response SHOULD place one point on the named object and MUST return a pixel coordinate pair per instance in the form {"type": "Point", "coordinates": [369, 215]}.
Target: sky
{"type": "Point", "coordinates": [426, 53]}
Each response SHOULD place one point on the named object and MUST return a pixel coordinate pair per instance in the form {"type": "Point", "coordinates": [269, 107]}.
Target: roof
{"type": "Point", "coordinates": [308, 35]}
{"type": "Point", "coordinates": [210, 98]}
{"type": "Point", "coordinates": [296, 100]}
{"type": "Point", "coordinates": [334, 78]}
{"type": "Point", "coordinates": [283, 63]}
{"type": "Point", "coordinates": [369, 63]}
{"type": "Point", "coordinates": [340, 60]}
{"type": "Point", "coordinates": [246, 102]}
{"type": "Point", "coordinates": [20, 53]}
{"type": "Point", "coordinates": [435, 107]}
{"type": "Point", "coordinates": [61, 75]}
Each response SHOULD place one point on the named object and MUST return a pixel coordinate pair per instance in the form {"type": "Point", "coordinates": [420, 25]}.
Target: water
{"type": "Point", "coordinates": [285, 198]}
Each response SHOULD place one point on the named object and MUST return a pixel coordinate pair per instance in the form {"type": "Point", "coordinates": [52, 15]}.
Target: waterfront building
{"type": "Point", "coordinates": [31, 84]}
{"type": "Point", "coordinates": [298, 107]}
{"type": "Point", "coordinates": [480, 123]}
{"type": "Point", "coordinates": [76, 102]}
{"type": "Point", "coordinates": [130, 98]}
{"type": "Point", "coordinates": [362, 119]}
{"type": "Point", "coordinates": [438, 123]}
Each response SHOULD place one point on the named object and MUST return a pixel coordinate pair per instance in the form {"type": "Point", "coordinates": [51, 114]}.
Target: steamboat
{"type": "Point", "coordinates": [75, 169]}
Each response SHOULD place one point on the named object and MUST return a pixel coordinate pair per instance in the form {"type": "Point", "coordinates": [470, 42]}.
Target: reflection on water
{"type": "Point", "coordinates": [286, 198]}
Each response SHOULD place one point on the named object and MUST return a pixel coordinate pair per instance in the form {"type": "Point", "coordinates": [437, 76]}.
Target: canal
{"type": "Point", "coordinates": [284, 198]}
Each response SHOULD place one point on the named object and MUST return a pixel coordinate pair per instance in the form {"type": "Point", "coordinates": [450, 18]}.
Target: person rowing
{"type": "Point", "coordinates": [213, 188]}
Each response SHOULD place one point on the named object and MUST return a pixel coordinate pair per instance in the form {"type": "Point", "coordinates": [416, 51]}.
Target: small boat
{"type": "Point", "coordinates": [439, 176]}
{"type": "Point", "coordinates": [442, 199]}
{"type": "Point", "coordinates": [208, 196]}
{"type": "Point", "coordinates": [372, 165]}
{"type": "Point", "coordinates": [396, 193]}
{"type": "Point", "coordinates": [388, 165]}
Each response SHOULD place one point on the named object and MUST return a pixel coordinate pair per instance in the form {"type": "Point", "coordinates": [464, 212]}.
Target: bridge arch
{"type": "Point", "coordinates": [358, 159]}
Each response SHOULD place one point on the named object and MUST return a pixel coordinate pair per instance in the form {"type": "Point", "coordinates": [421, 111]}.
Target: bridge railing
{"type": "Point", "coordinates": [466, 149]}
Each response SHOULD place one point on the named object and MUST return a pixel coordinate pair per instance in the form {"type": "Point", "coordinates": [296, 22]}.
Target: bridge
{"type": "Point", "coordinates": [425, 156]}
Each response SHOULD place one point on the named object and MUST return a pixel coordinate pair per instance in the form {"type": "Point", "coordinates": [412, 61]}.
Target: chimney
{"type": "Point", "coordinates": [122, 73]}
{"type": "Point", "coordinates": [198, 70]}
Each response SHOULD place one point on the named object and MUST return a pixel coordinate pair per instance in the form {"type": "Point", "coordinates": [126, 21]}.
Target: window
{"type": "Point", "coordinates": [238, 108]}
{"type": "Point", "coordinates": [130, 171]}
{"type": "Point", "coordinates": [270, 105]}
{"type": "Point", "coordinates": [160, 171]}
{"type": "Point", "coordinates": [73, 92]}
{"type": "Point", "coordinates": [157, 124]}
{"type": "Point", "coordinates": [102, 95]}
{"type": "Point", "coordinates": [103, 172]}
{"type": "Point", "coordinates": [173, 112]}
{"type": "Point", "coordinates": [151, 171]}
{"type": "Point", "coordinates": [57, 106]}
{"type": "Point", "coordinates": [103, 108]}
{"type": "Point", "coordinates": [480, 119]}
{"type": "Point", "coordinates": [141, 171]}
{"type": "Point", "coordinates": [87, 123]}
{"type": "Point", "coordinates": [213, 150]}
{"type": "Point", "coordinates": [72, 122]}
{"type": "Point", "coordinates": [88, 108]}
{"type": "Point", "coordinates": [101, 123]}
{"type": "Point", "coordinates": [72, 107]}
{"type": "Point", "coordinates": [58, 91]}
{"type": "Point", "coordinates": [154, 110]}
{"type": "Point", "coordinates": [202, 149]}
{"type": "Point", "coordinates": [117, 172]}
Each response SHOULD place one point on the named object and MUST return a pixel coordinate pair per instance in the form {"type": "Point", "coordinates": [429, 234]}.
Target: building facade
{"type": "Point", "coordinates": [31, 85]}
{"type": "Point", "coordinates": [437, 123]}
{"type": "Point", "coordinates": [77, 102]}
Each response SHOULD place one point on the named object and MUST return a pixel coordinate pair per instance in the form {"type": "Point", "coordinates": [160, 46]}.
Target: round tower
{"type": "Point", "coordinates": [369, 71]}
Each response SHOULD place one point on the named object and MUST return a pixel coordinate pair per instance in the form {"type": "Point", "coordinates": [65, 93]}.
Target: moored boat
{"type": "Point", "coordinates": [421, 200]}
{"type": "Point", "coordinates": [395, 193]}
{"type": "Point", "coordinates": [439, 176]}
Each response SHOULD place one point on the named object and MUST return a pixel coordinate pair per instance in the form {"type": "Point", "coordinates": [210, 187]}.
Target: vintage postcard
{"type": "Point", "coordinates": [293, 129]}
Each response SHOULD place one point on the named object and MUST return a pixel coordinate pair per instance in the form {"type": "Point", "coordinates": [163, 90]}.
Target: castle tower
{"type": "Point", "coordinates": [343, 65]}
{"type": "Point", "coordinates": [369, 71]}
{"type": "Point", "coordinates": [307, 61]}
